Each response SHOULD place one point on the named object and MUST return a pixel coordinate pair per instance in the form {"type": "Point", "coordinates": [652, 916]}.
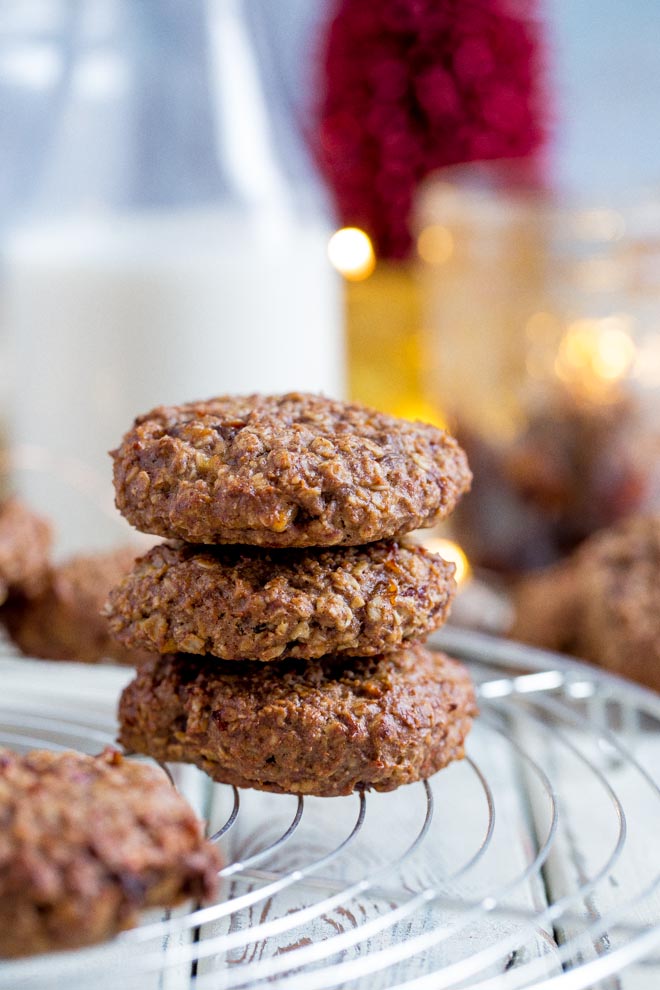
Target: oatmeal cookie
{"type": "Point", "coordinates": [282, 471]}
{"type": "Point", "coordinates": [546, 607]}
{"type": "Point", "coordinates": [25, 542]}
{"type": "Point", "coordinates": [87, 842]}
{"type": "Point", "coordinates": [324, 727]}
{"type": "Point", "coordinates": [619, 575]}
{"type": "Point", "coordinates": [64, 621]}
{"type": "Point", "coordinates": [603, 603]}
{"type": "Point", "coordinates": [236, 602]}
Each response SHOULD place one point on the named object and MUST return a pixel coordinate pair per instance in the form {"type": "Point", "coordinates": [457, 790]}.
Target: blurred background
{"type": "Point", "coordinates": [449, 210]}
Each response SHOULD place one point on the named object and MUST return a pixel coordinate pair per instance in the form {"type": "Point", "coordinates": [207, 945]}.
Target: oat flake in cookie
{"type": "Point", "coordinates": [324, 727]}
{"type": "Point", "coordinates": [86, 843]}
{"type": "Point", "coordinates": [284, 471]}
{"type": "Point", "coordinates": [235, 602]}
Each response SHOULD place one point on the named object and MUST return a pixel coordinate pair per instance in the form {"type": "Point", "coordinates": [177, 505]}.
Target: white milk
{"type": "Point", "coordinates": [106, 318]}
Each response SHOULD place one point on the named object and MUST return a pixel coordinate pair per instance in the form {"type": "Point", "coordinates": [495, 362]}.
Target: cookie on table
{"type": "Point", "coordinates": [619, 575]}
{"type": "Point", "coordinates": [546, 608]}
{"type": "Point", "coordinates": [283, 471]}
{"type": "Point", "coordinates": [325, 727]}
{"type": "Point", "coordinates": [64, 621]}
{"type": "Point", "coordinates": [25, 544]}
{"type": "Point", "coordinates": [603, 603]}
{"type": "Point", "coordinates": [236, 602]}
{"type": "Point", "coordinates": [88, 842]}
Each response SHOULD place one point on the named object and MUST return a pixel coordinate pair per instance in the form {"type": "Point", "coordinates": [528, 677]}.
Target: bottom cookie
{"type": "Point", "coordinates": [324, 727]}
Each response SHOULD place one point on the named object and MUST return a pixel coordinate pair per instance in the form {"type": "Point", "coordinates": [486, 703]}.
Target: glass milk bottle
{"type": "Point", "coordinates": [163, 237]}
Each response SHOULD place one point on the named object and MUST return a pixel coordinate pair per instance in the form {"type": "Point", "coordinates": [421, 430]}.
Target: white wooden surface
{"type": "Point", "coordinates": [482, 926]}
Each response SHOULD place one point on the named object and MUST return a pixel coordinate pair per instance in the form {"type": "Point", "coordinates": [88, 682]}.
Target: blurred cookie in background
{"type": "Point", "coordinates": [89, 842]}
{"type": "Point", "coordinates": [64, 621]}
{"type": "Point", "coordinates": [602, 604]}
{"type": "Point", "coordinates": [25, 544]}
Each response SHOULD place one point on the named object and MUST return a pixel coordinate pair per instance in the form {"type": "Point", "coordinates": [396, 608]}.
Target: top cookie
{"type": "Point", "coordinates": [284, 471]}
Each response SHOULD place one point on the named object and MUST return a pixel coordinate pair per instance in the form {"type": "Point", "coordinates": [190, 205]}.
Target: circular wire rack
{"type": "Point", "coordinates": [534, 862]}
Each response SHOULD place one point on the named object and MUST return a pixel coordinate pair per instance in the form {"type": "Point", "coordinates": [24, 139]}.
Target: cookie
{"type": "Point", "coordinates": [324, 727]}
{"type": "Point", "coordinates": [283, 471]}
{"type": "Point", "coordinates": [546, 608]}
{"type": "Point", "coordinates": [618, 571]}
{"type": "Point", "coordinates": [25, 543]}
{"type": "Point", "coordinates": [64, 621]}
{"type": "Point", "coordinates": [236, 602]}
{"type": "Point", "coordinates": [601, 604]}
{"type": "Point", "coordinates": [87, 842]}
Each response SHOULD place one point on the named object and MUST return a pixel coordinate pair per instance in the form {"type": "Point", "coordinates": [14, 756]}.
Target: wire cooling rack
{"type": "Point", "coordinates": [535, 862]}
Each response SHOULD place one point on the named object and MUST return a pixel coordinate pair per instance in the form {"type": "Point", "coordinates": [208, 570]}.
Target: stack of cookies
{"type": "Point", "coordinates": [284, 613]}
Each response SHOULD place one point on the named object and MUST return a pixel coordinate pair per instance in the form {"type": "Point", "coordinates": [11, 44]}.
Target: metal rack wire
{"type": "Point", "coordinates": [535, 862]}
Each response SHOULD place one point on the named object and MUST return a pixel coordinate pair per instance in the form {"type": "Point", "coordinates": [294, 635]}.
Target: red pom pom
{"type": "Point", "coordinates": [411, 85]}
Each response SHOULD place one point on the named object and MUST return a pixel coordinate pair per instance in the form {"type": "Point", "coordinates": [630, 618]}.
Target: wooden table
{"type": "Point", "coordinates": [535, 862]}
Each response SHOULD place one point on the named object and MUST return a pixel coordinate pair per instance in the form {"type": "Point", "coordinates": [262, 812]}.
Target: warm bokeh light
{"type": "Point", "coordinates": [451, 551]}
{"type": "Point", "coordinates": [351, 252]}
{"type": "Point", "coordinates": [435, 244]}
{"type": "Point", "coordinates": [600, 275]}
{"type": "Point", "coordinates": [541, 326]}
{"type": "Point", "coordinates": [596, 354]}
{"type": "Point", "coordinates": [599, 224]}
{"type": "Point", "coordinates": [647, 362]}
{"type": "Point", "coordinates": [419, 409]}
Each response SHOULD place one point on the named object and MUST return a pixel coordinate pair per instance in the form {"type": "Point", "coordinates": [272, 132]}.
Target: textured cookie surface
{"type": "Point", "coordinates": [25, 541]}
{"type": "Point", "coordinates": [289, 470]}
{"type": "Point", "coordinates": [88, 841]}
{"type": "Point", "coordinates": [243, 602]}
{"type": "Point", "coordinates": [324, 727]}
{"type": "Point", "coordinates": [64, 621]}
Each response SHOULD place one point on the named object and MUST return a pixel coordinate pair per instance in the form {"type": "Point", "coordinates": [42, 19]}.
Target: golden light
{"type": "Point", "coordinates": [451, 551]}
{"type": "Point", "coordinates": [595, 354]}
{"type": "Point", "coordinates": [615, 354]}
{"type": "Point", "coordinates": [600, 275]}
{"type": "Point", "coordinates": [435, 244]}
{"type": "Point", "coordinates": [351, 252]}
{"type": "Point", "coordinates": [647, 362]}
{"type": "Point", "coordinates": [599, 225]}
{"type": "Point", "coordinates": [418, 409]}
{"type": "Point", "coordinates": [541, 326]}
{"type": "Point", "coordinates": [542, 331]}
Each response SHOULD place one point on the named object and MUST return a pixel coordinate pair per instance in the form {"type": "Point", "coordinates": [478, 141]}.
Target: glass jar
{"type": "Point", "coordinates": [163, 235]}
{"type": "Point", "coordinates": [542, 348]}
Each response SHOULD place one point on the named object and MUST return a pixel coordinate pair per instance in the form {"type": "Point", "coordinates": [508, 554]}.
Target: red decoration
{"type": "Point", "coordinates": [413, 85]}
